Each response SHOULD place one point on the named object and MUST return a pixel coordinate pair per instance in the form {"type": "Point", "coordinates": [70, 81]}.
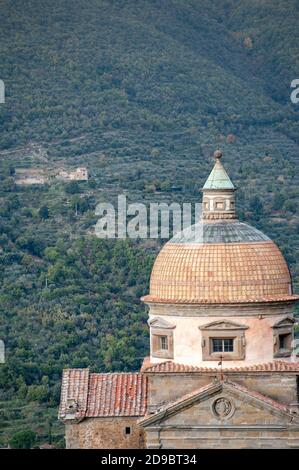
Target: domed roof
{"type": "Point", "coordinates": [221, 232]}
{"type": "Point", "coordinates": [220, 261]}
{"type": "Point", "coordinates": [232, 264]}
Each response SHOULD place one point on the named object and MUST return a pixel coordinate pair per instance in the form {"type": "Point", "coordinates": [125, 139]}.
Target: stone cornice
{"type": "Point", "coordinates": [221, 310]}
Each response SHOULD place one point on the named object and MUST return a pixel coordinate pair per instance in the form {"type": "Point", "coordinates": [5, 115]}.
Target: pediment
{"type": "Point", "coordinates": [158, 322]}
{"type": "Point", "coordinates": [223, 325]}
{"type": "Point", "coordinates": [222, 404]}
{"type": "Point", "coordinates": [285, 322]}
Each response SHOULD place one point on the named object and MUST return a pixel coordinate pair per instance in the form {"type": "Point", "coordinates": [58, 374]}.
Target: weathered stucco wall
{"type": "Point", "coordinates": [187, 340]}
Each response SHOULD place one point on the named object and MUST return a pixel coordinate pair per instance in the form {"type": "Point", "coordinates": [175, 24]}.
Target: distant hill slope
{"type": "Point", "coordinates": [73, 67]}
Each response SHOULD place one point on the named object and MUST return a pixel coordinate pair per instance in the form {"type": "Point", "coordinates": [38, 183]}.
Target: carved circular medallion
{"type": "Point", "coordinates": [223, 408]}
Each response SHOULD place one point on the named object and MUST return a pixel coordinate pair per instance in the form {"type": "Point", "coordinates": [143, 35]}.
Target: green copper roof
{"type": "Point", "coordinates": [218, 178]}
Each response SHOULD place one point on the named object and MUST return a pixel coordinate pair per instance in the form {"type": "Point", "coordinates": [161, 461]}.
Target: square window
{"type": "Point", "coordinates": [222, 345]}
{"type": "Point", "coordinates": [127, 430]}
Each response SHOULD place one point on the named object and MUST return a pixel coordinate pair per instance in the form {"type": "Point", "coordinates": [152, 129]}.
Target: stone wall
{"type": "Point", "coordinates": [224, 439]}
{"type": "Point", "coordinates": [165, 388]}
{"type": "Point", "coordinates": [280, 387]}
{"type": "Point", "coordinates": [250, 426]}
{"type": "Point", "coordinates": [104, 433]}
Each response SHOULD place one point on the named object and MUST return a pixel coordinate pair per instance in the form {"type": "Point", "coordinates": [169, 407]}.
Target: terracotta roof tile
{"type": "Point", "coordinates": [172, 367]}
{"type": "Point", "coordinates": [99, 395]}
{"type": "Point", "coordinates": [218, 300]}
{"type": "Point", "coordinates": [220, 273]}
{"type": "Point", "coordinates": [117, 394]}
{"type": "Point", "coordinates": [74, 391]}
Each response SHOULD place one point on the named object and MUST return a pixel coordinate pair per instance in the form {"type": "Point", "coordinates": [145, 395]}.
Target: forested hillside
{"type": "Point", "coordinates": [141, 92]}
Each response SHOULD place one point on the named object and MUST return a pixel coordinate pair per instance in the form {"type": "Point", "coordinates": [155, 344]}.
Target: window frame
{"type": "Point", "coordinates": [156, 344]}
{"type": "Point", "coordinates": [283, 352]}
{"type": "Point", "coordinates": [284, 327]}
{"type": "Point", "coordinates": [159, 327]}
{"type": "Point", "coordinates": [223, 330]}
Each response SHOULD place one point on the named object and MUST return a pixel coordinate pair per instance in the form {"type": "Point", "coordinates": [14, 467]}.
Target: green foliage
{"type": "Point", "coordinates": [44, 212]}
{"type": "Point", "coordinates": [278, 201]}
{"type": "Point", "coordinates": [23, 440]}
{"type": "Point", "coordinates": [77, 305]}
{"type": "Point", "coordinates": [72, 188]}
{"type": "Point", "coordinates": [142, 93]}
{"type": "Point", "coordinates": [256, 205]}
{"type": "Point", "coordinates": [155, 66]}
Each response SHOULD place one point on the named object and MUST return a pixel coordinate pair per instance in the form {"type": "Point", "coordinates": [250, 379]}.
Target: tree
{"type": "Point", "coordinates": [278, 201]}
{"type": "Point", "coordinates": [92, 183]}
{"type": "Point", "coordinates": [290, 206]}
{"type": "Point", "coordinates": [23, 439]}
{"type": "Point", "coordinates": [44, 212]}
{"type": "Point", "coordinates": [72, 188]}
{"type": "Point", "coordinates": [14, 202]}
{"type": "Point", "coordinates": [255, 205]}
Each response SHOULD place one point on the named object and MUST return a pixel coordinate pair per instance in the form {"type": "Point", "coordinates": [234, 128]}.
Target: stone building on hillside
{"type": "Point", "coordinates": [79, 174]}
{"type": "Point", "coordinates": [29, 176]}
{"type": "Point", "coordinates": [222, 371]}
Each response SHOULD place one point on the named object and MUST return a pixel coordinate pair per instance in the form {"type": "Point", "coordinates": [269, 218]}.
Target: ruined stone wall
{"type": "Point", "coordinates": [104, 433]}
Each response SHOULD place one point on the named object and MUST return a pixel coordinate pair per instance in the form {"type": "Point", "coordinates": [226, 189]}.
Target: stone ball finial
{"type": "Point", "coordinates": [217, 154]}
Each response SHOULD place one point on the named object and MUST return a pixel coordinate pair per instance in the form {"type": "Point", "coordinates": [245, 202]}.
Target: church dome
{"type": "Point", "coordinates": [220, 260]}
{"type": "Point", "coordinates": [233, 263]}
